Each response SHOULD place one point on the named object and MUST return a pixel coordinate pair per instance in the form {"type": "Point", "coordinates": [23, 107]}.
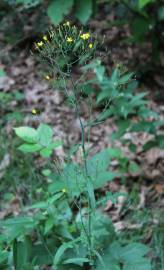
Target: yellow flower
{"type": "Point", "coordinates": [64, 190]}
{"type": "Point", "coordinates": [85, 36]}
{"type": "Point", "coordinates": [67, 23]}
{"type": "Point", "coordinates": [90, 45]}
{"type": "Point", "coordinates": [45, 38]}
{"type": "Point", "coordinates": [69, 39]}
{"type": "Point", "coordinates": [40, 44]}
{"type": "Point", "coordinates": [34, 111]}
{"type": "Point", "coordinates": [47, 77]}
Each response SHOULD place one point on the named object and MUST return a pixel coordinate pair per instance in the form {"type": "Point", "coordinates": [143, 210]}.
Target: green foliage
{"type": "Point", "coordinates": [65, 228]}
{"type": "Point", "coordinates": [130, 257]}
{"type": "Point", "coordinates": [58, 8]}
{"type": "Point", "coordinates": [37, 140]}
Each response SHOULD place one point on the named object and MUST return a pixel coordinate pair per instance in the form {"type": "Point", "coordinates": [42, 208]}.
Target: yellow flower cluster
{"type": "Point", "coordinates": [41, 43]}
{"type": "Point", "coordinates": [85, 36]}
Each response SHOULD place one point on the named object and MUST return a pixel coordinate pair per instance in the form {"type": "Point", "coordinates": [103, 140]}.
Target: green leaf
{"type": "Point", "coordinates": [27, 134]}
{"type": "Point", "coordinates": [54, 145]}
{"type": "Point", "coordinates": [60, 252]}
{"type": "Point", "coordinates": [58, 9]}
{"type": "Point", "coordinates": [30, 148]}
{"type": "Point", "coordinates": [45, 152]}
{"type": "Point", "coordinates": [143, 3]}
{"type": "Point", "coordinates": [17, 221]}
{"type": "Point", "coordinates": [76, 261]}
{"type": "Point", "coordinates": [133, 252]}
{"type": "Point", "coordinates": [21, 253]}
{"type": "Point", "coordinates": [83, 10]}
{"type": "Point", "coordinates": [161, 13]}
{"type": "Point", "coordinates": [143, 264]}
{"type": "Point", "coordinates": [45, 134]}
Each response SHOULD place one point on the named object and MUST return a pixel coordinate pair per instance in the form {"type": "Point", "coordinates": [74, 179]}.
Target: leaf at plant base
{"type": "Point", "coordinates": [30, 148]}
{"type": "Point", "coordinates": [102, 178]}
{"type": "Point", "coordinates": [58, 9]}
{"type": "Point", "coordinates": [83, 10]}
{"type": "Point", "coordinates": [45, 152]}
{"type": "Point", "coordinates": [143, 264]}
{"type": "Point", "coordinates": [133, 252]}
{"type": "Point", "coordinates": [27, 134]}
{"type": "Point", "coordinates": [45, 134]}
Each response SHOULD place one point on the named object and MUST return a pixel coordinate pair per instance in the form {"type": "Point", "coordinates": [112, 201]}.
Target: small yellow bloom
{"type": "Point", "coordinates": [69, 39]}
{"type": "Point", "coordinates": [66, 23]}
{"type": "Point", "coordinates": [90, 45]}
{"type": "Point", "coordinates": [64, 190]}
{"type": "Point", "coordinates": [34, 111]}
{"type": "Point", "coordinates": [47, 77]}
{"type": "Point", "coordinates": [40, 44]}
{"type": "Point", "coordinates": [85, 36]}
{"type": "Point", "coordinates": [45, 38]}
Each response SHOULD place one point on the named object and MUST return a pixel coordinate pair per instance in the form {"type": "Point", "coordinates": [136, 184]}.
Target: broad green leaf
{"type": "Point", "coordinates": [142, 264]}
{"type": "Point", "coordinates": [17, 221]}
{"type": "Point", "coordinates": [30, 148]}
{"type": "Point", "coordinates": [83, 10]}
{"type": "Point", "coordinates": [143, 3]}
{"type": "Point", "coordinates": [125, 78]}
{"type": "Point", "coordinates": [45, 134]}
{"type": "Point", "coordinates": [58, 9]}
{"type": "Point", "coordinates": [133, 252]}
{"type": "Point", "coordinates": [27, 134]}
{"type": "Point", "coordinates": [21, 253]}
{"type": "Point", "coordinates": [43, 254]}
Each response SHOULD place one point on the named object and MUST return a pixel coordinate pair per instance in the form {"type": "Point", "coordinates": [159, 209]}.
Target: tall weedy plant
{"type": "Point", "coordinates": [66, 230]}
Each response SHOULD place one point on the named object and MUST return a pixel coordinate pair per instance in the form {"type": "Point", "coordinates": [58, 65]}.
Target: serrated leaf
{"type": "Point", "coordinates": [27, 134]}
{"type": "Point", "coordinates": [58, 9]}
